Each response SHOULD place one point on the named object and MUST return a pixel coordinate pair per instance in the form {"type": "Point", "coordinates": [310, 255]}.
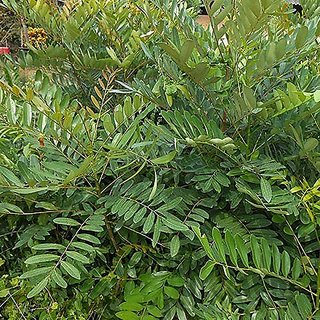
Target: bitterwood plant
{"type": "Point", "coordinates": [169, 185]}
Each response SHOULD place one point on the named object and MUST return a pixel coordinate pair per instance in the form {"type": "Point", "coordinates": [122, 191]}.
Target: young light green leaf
{"type": "Point", "coordinates": [316, 96]}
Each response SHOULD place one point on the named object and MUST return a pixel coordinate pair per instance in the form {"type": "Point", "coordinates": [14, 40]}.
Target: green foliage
{"type": "Point", "coordinates": [151, 169]}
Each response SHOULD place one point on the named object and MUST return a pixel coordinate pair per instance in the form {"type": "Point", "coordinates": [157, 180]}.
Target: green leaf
{"type": "Point", "coordinates": [316, 96]}
{"type": "Point", "coordinates": [108, 124]}
{"type": "Point", "coordinates": [83, 168]}
{"type": "Point", "coordinates": [42, 258]}
{"type": "Point", "coordinates": [139, 215]}
{"type": "Point", "coordinates": [148, 224]}
{"type": "Point", "coordinates": [171, 292]}
{"type": "Point", "coordinates": [231, 247]}
{"type": "Point", "coordinates": [66, 222]}
{"type": "Point", "coordinates": [82, 246]}
{"type": "Point", "coordinates": [204, 242]}
{"type": "Point", "coordinates": [165, 159]}
{"type": "Point", "coordinates": [57, 278]}
{"type": "Point", "coordinates": [48, 246]}
{"type": "Point", "coordinates": [266, 189]}
{"type": "Point", "coordinates": [186, 51]}
{"type": "Point", "coordinates": [174, 246]}
{"type": "Point", "coordinates": [77, 256]}
{"type": "Point", "coordinates": [296, 269]}
{"type": "Point", "coordinates": [146, 50]}
{"type": "Point", "coordinates": [266, 254]}
{"type": "Point", "coordinates": [46, 205]}
{"type": "Point", "coordinates": [38, 288]}
{"type": "Point", "coordinates": [304, 306]}
{"type": "Point", "coordinates": [175, 224]}
{"type": "Point", "coordinates": [88, 237]}
{"type": "Point", "coordinates": [113, 55]}
{"type": "Point", "coordinates": [29, 190]}
{"type": "Point", "coordinates": [242, 250]}
{"type": "Point", "coordinates": [4, 292]}
{"type": "Point", "coordinates": [35, 273]}
{"type": "Point", "coordinates": [154, 188]}
{"type": "Point", "coordinates": [206, 270]}
{"type": "Point", "coordinates": [256, 252]}
{"type": "Point", "coordinates": [285, 263]}
{"type": "Point", "coordinates": [170, 205]}
{"type": "Point", "coordinates": [216, 235]}
{"type": "Point", "coordinates": [176, 281]}
{"type": "Point", "coordinates": [136, 257]}
{"type": "Point", "coordinates": [131, 306]}
{"type": "Point", "coordinates": [301, 36]}
{"type": "Point", "coordinates": [127, 315]}
{"type": "Point", "coordinates": [71, 270]}
{"type": "Point", "coordinates": [10, 177]}
{"type": "Point", "coordinates": [156, 232]}
{"type": "Point", "coordinates": [154, 311]}
{"type": "Point", "coordinates": [276, 257]}
{"type": "Point", "coordinates": [181, 314]}
{"type": "Point", "coordinates": [310, 144]}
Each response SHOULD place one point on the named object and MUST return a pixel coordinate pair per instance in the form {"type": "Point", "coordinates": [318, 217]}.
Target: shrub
{"type": "Point", "coordinates": [164, 171]}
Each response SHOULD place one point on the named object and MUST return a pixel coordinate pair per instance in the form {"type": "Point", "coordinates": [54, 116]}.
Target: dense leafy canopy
{"type": "Point", "coordinates": [152, 169]}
